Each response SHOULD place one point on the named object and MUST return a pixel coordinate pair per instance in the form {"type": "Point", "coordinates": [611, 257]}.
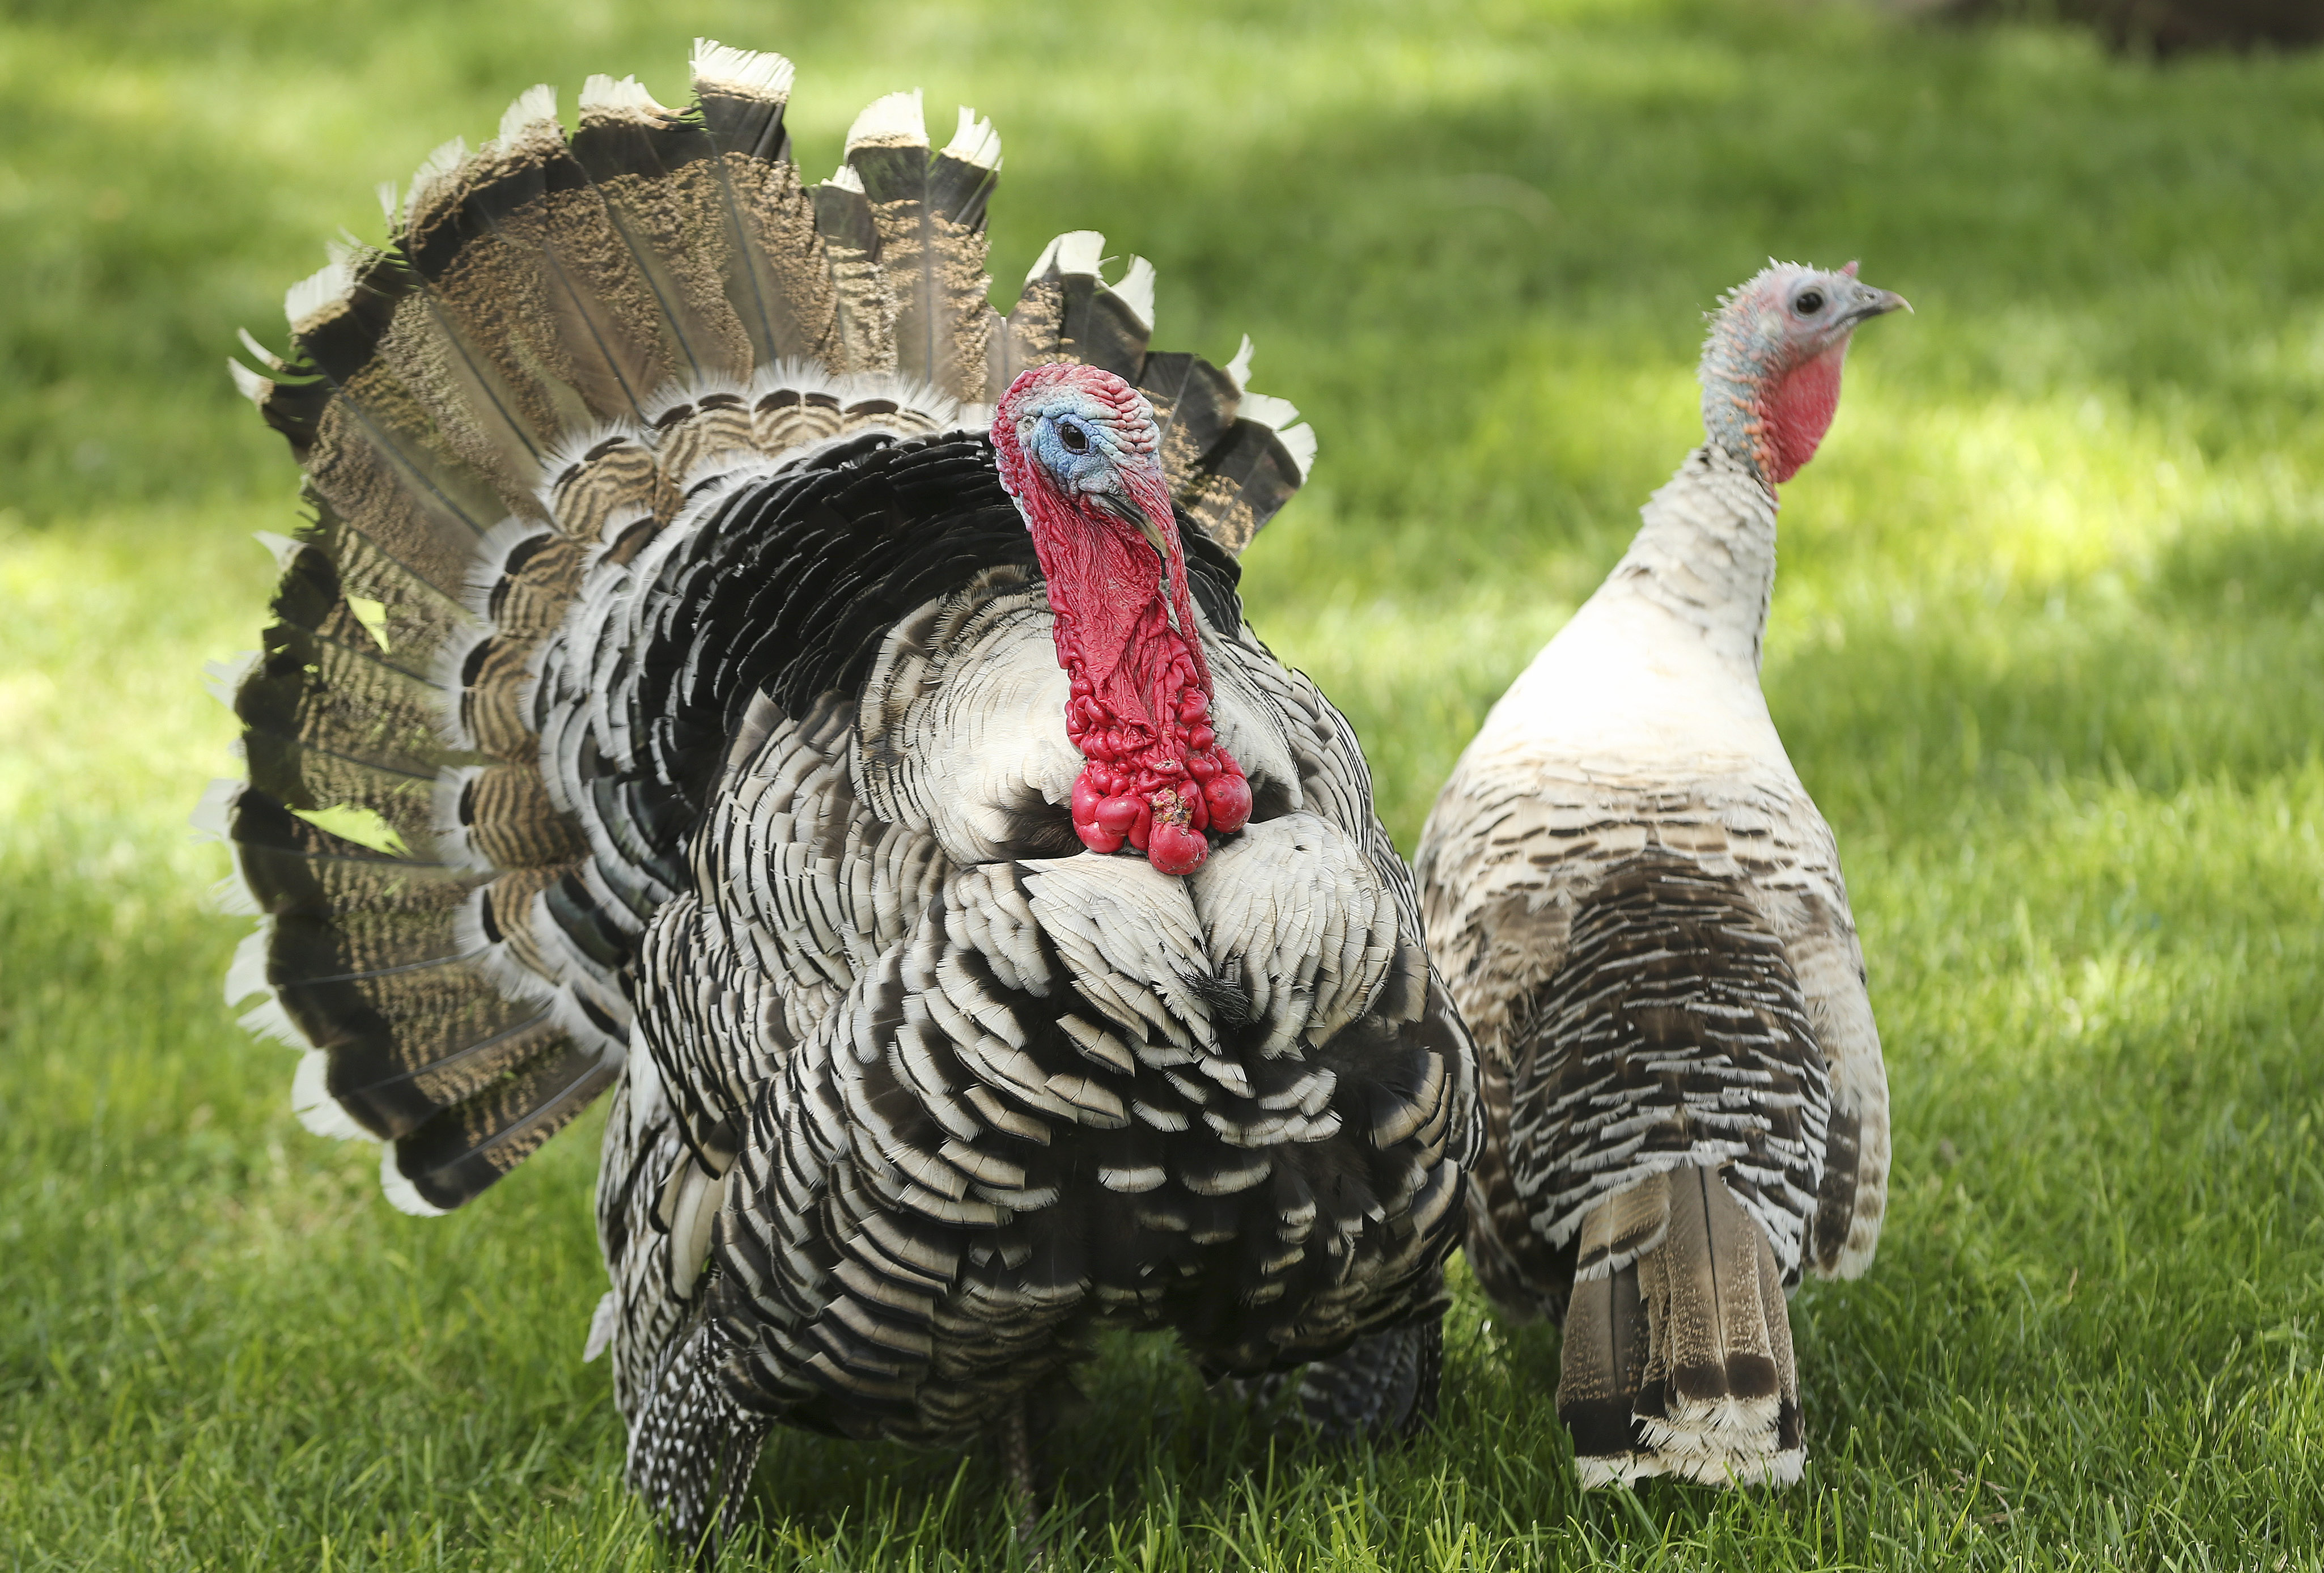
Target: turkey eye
{"type": "Point", "coordinates": [1075, 440]}
{"type": "Point", "coordinates": [1810, 302]}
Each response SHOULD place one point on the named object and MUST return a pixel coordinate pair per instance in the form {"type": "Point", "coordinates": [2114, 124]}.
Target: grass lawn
{"type": "Point", "coordinates": [2048, 646]}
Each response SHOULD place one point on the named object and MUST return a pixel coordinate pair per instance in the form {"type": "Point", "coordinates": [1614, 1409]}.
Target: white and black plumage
{"type": "Point", "coordinates": [664, 699]}
{"type": "Point", "coordinates": [1642, 916]}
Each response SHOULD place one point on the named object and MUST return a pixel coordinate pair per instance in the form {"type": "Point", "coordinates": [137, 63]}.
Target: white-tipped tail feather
{"type": "Point", "coordinates": [320, 296]}
{"type": "Point", "coordinates": [532, 111]}
{"type": "Point", "coordinates": [718, 67]}
{"type": "Point", "coordinates": [1678, 1350]}
{"type": "Point", "coordinates": [249, 383]}
{"type": "Point", "coordinates": [975, 142]}
{"type": "Point", "coordinates": [402, 1193]}
{"type": "Point", "coordinates": [437, 172]}
{"type": "Point", "coordinates": [893, 121]}
{"type": "Point", "coordinates": [318, 1110]}
{"type": "Point", "coordinates": [610, 99]}
{"type": "Point", "coordinates": [1136, 291]}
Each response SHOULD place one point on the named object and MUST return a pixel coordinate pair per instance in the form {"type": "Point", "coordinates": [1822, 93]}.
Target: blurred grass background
{"type": "Point", "coordinates": [2048, 647]}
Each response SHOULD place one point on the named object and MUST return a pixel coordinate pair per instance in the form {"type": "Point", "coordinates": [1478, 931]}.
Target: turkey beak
{"type": "Point", "coordinates": [1871, 302]}
{"type": "Point", "coordinates": [1125, 508]}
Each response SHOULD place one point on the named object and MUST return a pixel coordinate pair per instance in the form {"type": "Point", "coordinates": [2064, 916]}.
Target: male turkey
{"type": "Point", "coordinates": [1641, 916]}
{"type": "Point", "coordinates": [984, 938]}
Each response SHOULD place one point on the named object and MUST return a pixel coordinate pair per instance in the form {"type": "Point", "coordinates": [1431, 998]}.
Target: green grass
{"type": "Point", "coordinates": [2048, 647]}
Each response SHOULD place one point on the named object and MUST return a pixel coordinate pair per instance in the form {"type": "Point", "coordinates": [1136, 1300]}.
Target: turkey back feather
{"type": "Point", "coordinates": [1667, 1137]}
{"type": "Point", "coordinates": [475, 754]}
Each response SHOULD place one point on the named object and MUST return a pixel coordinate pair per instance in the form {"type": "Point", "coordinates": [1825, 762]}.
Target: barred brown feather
{"type": "Point", "coordinates": [1674, 1032]}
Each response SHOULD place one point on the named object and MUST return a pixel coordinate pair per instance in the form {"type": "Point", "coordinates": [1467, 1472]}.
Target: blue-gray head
{"type": "Point", "coordinates": [1771, 367]}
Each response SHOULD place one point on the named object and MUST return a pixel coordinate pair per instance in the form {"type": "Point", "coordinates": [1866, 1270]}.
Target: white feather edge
{"type": "Point", "coordinates": [1299, 442]}
{"type": "Point", "coordinates": [488, 565]}
{"type": "Point", "coordinates": [602, 1323]}
{"type": "Point", "coordinates": [607, 99]}
{"type": "Point", "coordinates": [975, 142]}
{"type": "Point", "coordinates": [318, 1110]}
{"type": "Point", "coordinates": [270, 1020]}
{"type": "Point", "coordinates": [439, 169]}
{"type": "Point", "coordinates": [452, 844]}
{"type": "Point", "coordinates": [894, 120]}
{"type": "Point", "coordinates": [531, 112]}
{"type": "Point", "coordinates": [224, 679]}
{"type": "Point", "coordinates": [258, 389]}
{"type": "Point", "coordinates": [280, 548]}
{"type": "Point", "coordinates": [1238, 369]}
{"type": "Point", "coordinates": [260, 353]}
{"type": "Point", "coordinates": [1282, 416]}
{"type": "Point", "coordinates": [402, 1193]}
{"type": "Point", "coordinates": [311, 1099]}
{"type": "Point", "coordinates": [245, 975]}
{"type": "Point", "coordinates": [515, 980]}
{"type": "Point", "coordinates": [744, 73]}
{"type": "Point", "coordinates": [846, 179]}
{"type": "Point", "coordinates": [922, 397]}
{"type": "Point", "coordinates": [572, 449]}
{"type": "Point", "coordinates": [914, 395]}
{"type": "Point", "coordinates": [231, 897]}
{"type": "Point", "coordinates": [1269, 411]}
{"type": "Point", "coordinates": [1279, 415]}
{"type": "Point", "coordinates": [1136, 291]}
{"type": "Point", "coordinates": [1083, 251]}
{"type": "Point", "coordinates": [320, 296]}
{"type": "Point", "coordinates": [212, 812]}
{"type": "Point", "coordinates": [1077, 251]}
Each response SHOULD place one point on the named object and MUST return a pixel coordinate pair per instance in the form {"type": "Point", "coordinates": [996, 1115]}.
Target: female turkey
{"type": "Point", "coordinates": [1641, 912]}
{"type": "Point", "coordinates": [985, 939]}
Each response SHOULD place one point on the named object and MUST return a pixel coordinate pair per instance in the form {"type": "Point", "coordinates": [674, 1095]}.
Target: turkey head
{"type": "Point", "coordinates": [1079, 453]}
{"type": "Point", "coordinates": [1771, 368]}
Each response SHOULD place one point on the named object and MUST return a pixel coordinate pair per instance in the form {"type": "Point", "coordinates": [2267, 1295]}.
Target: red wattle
{"type": "Point", "coordinates": [1176, 849]}
{"type": "Point", "coordinates": [1800, 411]}
{"type": "Point", "coordinates": [1227, 796]}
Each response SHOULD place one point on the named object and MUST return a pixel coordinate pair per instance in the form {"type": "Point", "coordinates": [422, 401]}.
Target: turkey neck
{"type": "Point", "coordinates": [1705, 554]}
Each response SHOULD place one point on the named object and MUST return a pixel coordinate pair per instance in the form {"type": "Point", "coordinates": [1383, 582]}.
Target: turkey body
{"type": "Point", "coordinates": [664, 700]}
{"type": "Point", "coordinates": [948, 1093]}
{"type": "Point", "coordinates": [1643, 918]}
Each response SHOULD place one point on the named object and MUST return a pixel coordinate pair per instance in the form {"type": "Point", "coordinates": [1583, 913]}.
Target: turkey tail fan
{"type": "Point", "coordinates": [423, 896]}
{"type": "Point", "coordinates": [1678, 1361]}
{"type": "Point", "coordinates": [453, 831]}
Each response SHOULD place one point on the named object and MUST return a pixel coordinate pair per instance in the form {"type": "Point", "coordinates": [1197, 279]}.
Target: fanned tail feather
{"type": "Point", "coordinates": [1678, 1348]}
{"type": "Point", "coordinates": [927, 209]}
{"type": "Point", "coordinates": [452, 831]}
